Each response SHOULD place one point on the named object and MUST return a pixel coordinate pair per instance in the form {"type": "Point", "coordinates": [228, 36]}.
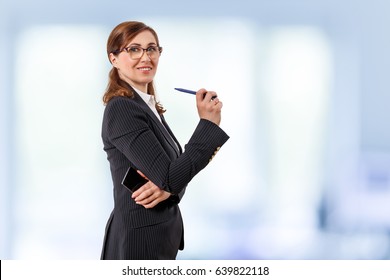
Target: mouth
{"type": "Point", "coordinates": [145, 68]}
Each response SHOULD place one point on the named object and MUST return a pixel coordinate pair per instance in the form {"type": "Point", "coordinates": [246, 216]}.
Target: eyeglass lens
{"type": "Point", "coordinates": [137, 52]}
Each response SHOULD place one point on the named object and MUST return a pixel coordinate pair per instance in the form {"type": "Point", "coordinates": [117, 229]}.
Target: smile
{"type": "Point", "coordinates": [145, 69]}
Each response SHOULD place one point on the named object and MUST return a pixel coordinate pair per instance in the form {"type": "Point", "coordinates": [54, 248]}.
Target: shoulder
{"type": "Point", "coordinates": [124, 112]}
{"type": "Point", "coordinates": [119, 101]}
{"type": "Point", "coordinates": [120, 105]}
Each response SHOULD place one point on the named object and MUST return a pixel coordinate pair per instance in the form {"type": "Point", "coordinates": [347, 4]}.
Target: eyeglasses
{"type": "Point", "coordinates": [137, 52]}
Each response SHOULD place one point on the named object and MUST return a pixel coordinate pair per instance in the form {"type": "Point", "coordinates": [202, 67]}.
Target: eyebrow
{"type": "Point", "coordinates": [139, 45]}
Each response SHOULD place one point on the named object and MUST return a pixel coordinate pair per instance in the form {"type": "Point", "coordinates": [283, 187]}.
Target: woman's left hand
{"type": "Point", "coordinates": [149, 195]}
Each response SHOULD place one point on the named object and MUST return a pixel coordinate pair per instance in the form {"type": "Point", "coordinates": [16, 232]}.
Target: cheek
{"type": "Point", "coordinates": [127, 68]}
{"type": "Point", "coordinates": [125, 63]}
{"type": "Point", "coordinates": [155, 64]}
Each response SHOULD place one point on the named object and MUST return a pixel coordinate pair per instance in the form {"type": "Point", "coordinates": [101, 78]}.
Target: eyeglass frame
{"type": "Point", "coordinates": [159, 49]}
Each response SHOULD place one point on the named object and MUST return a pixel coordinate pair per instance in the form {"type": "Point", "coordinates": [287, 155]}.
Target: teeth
{"type": "Point", "coordinates": [145, 68]}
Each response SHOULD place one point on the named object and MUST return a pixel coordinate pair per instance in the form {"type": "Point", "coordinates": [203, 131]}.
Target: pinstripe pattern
{"type": "Point", "coordinates": [133, 136]}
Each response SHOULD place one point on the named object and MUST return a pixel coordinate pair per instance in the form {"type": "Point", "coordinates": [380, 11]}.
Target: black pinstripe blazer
{"type": "Point", "coordinates": [133, 136]}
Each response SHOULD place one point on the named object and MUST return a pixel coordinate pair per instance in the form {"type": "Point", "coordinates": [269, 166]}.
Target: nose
{"type": "Point", "coordinates": [145, 56]}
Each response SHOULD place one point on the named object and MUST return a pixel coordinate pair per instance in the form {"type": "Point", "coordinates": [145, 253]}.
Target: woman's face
{"type": "Point", "coordinates": [137, 72]}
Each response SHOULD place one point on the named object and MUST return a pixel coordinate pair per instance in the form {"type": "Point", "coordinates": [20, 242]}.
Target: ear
{"type": "Point", "coordinates": [113, 59]}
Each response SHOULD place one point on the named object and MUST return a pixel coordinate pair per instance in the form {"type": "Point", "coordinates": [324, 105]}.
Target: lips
{"type": "Point", "coordinates": [145, 68]}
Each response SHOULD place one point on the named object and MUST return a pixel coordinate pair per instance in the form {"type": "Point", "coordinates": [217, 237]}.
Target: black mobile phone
{"type": "Point", "coordinates": [133, 180]}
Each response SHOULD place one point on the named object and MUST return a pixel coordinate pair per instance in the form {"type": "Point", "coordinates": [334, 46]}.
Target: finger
{"type": "Point", "coordinates": [219, 105]}
{"type": "Point", "coordinates": [144, 195]}
{"type": "Point", "coordinates": [211, 95]}
{"type": "Point", "coordinates": [200, 95]}
{"type": "Point", "coordinates": [149, 199]}
{"type": "Point", "coordinates": [162, 196]}
{"type": "Point", "coordinates": [149, 190]}
{"type": "Point", "coordinates": [152, 204]}
{"type": "Point", "coordinates": [142, 174]}
{"type": "Point", "coordinates": [139, 191]}
{"type": "Point", "coordinates": [143, 191]}
{"type": "Point", "coordinates": [146, 200]}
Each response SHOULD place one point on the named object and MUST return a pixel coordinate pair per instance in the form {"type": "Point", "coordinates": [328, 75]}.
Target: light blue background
{"type": "Point", "coordinates": [305, 85]}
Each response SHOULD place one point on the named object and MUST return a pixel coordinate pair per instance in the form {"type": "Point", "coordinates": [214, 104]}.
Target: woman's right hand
{"type": "Point", "coordinates": [209, 108]}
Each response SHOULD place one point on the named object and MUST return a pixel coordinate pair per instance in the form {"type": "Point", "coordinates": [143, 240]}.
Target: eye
{"type": "Point", "coordinates": [134, 49]}
{"type": "Point", "coordinates": [151, 49]}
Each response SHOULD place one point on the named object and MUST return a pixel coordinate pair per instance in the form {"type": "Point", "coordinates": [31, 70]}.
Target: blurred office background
{"type": "Point", "coordinates": [306, 92]}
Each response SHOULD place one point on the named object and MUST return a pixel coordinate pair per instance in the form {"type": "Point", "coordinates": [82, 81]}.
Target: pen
{"type": "Point", "coordinates": [186, 90]}
{"type": "Point", "coordinates": [191, 92]}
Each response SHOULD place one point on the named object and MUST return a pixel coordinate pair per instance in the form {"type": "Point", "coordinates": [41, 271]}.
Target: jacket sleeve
{"type": "Point", "coordinates": [128, 129]}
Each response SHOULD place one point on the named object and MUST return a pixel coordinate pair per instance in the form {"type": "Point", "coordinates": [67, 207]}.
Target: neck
{"type": "Point", "coordinates": [141, 87]}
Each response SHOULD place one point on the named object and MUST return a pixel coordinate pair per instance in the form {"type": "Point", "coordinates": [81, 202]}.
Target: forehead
{"type": "Point", "coordinates": [144, 38]}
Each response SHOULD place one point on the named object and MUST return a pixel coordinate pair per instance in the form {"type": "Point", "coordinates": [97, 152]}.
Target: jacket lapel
{"type": "Point", "coordinates": [171, 133]}
{"type": "Point", "coordinates": [165, 130]}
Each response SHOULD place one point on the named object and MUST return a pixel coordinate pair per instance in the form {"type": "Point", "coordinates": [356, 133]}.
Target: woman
{"type": "Point", "coordinates": [147, 223]}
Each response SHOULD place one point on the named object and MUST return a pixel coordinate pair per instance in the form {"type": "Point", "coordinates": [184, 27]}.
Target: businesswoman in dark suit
{"type": "Point", "coordinates": [147, 223]}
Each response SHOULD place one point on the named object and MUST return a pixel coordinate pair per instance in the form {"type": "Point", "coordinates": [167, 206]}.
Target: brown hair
{"type": "Point", "coordinates": [121, 35]}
